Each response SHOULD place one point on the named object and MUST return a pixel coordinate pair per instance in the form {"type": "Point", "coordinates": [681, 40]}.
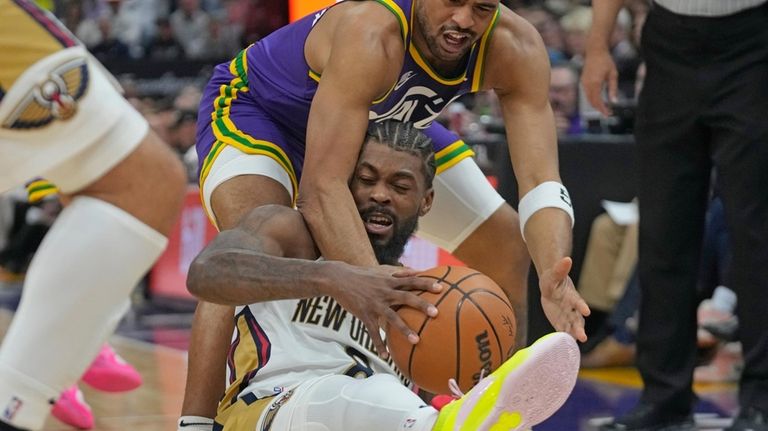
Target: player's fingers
{"type": "Point", "coordinates": [583, 308]}
{"type": "Point", "coordinates": [417, 302]}
{"type": "Point", "coordinates": [378, 343]}
{"type": "Point", "coordinates": [419, 283]}
{"type": "Point", "coordinates": [576, 326]}
{"type": "Point", "coordinates": [593, 88]}
{"type": "Point", "coordinates": [405, 272]}
{"type": "Point", "coordinates": [613, 85]}
{"type": "Point", "coordinates": [397, 323]}
{"type": "Point", "coordinates": [579, 334]}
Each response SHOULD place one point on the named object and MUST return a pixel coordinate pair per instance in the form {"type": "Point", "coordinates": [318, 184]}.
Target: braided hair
{"type": "Point", "coordinates": [403, 136]}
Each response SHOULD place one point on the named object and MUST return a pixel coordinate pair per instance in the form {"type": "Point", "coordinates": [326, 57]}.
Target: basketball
{"type": "Point", "coordinates": [473, 332]}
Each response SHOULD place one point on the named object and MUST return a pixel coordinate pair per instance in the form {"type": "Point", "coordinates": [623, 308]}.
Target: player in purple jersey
{"type": "Point", "coordinates": [283, 123]}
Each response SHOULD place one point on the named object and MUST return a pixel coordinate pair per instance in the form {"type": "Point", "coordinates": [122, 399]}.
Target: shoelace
{"type": "Point", "coordinates": [456, 390]}
{"type": "Point", "coordinates": [453, 386]}
{"type": "Point", "coordinates": [440, 401]}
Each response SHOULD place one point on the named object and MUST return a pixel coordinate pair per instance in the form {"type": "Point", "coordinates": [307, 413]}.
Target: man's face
{"type": "Point", "coordinates": [563, 91]}
{"type": "Point", "coordinates": [390, 192]}
{"type": "Point", "coordinates": [450, 27]}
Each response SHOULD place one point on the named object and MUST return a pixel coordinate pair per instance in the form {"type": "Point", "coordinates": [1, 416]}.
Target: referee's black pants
{"type": "Point", "coordinates": [705, 102]}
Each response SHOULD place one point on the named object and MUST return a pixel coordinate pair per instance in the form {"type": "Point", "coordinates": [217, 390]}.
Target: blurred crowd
{"type": "Point", "coordinates": [563, 25]}
{"type": "Point", "coordinates": [169, 29]}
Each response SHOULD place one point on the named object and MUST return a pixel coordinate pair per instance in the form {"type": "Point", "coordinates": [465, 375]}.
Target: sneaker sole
{"type": "Point", "coordinates": [532, 390]}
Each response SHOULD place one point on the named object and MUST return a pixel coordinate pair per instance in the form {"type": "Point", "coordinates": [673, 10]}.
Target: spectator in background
{"type": "Point", "coordinates": [190, 27]}
{"type": "Point", "coordinates": [263, 17]}
{"type": "Point", "coordinates": [133, 23]}
{"type": "Point", "coordinates": [549, 28]}
{"type": "Point", "coordinates": [223, 41]}
{"type": "Point", "coordinates": [72, 14]}
{"type": "Point", "coordinates": [575, 25]}
{"type": "Point", "coordinates": [564, 98]}
{"type": "Point", "coordinates": [183, 133]}
{"type": "Point", "coordinates": [164, 45]}
{"type": "Point", "coordinates": [109, 47]}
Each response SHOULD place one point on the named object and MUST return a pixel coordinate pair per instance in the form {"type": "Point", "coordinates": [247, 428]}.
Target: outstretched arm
{"type": "Point", "coordinates": [518, 71]}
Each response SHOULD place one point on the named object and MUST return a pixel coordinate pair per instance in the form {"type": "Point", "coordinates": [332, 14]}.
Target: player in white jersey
{"type": "Point", "coordinates": [301, 358]}
{"type": "Point", "coordinates": [63, 118]}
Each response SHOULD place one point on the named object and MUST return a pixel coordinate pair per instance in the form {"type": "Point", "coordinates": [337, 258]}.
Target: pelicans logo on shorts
{"type": "Point", "coordinates": [53, 99]}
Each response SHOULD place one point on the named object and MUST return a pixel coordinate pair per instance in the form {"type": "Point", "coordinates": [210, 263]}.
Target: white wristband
{"type": "Point", "coordinates": [549, 194]}
{"type": "Point", "coordinates": [194, 423]}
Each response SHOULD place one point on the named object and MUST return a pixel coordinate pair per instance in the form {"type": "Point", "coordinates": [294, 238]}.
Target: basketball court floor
{"type": "Point", "coordinates": [155, 342]}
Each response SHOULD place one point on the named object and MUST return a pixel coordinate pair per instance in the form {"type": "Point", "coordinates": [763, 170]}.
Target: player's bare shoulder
{"type": "Point", "coordinates": [516, 52]}
{"type": "Point", "coordinates": [364, 23]}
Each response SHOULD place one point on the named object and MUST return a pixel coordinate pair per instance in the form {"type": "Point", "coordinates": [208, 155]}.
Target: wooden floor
{"type": "Point", "coordinates": [154, 406]}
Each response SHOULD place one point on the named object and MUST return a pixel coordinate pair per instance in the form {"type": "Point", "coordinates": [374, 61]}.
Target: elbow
{"type": "Point", "coordinates": [197, 283]}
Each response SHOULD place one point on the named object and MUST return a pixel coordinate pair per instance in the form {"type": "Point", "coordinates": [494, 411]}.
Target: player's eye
{"type": "Point", "coordinates": [402, 188]}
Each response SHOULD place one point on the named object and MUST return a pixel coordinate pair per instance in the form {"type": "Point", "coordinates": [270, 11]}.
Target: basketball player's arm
{"type": "Point", "coordinates": [270, 256]}
{"type": "Point", "coordinates": [518, 71]}
{"type": "Point", "coordinates": [359, 69]}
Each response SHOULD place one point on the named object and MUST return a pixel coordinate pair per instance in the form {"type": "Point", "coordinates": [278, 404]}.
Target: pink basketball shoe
{"type": "Point", "coordinates": [110, 373]}
{"type": "Point", "coordinates": [72, 409]}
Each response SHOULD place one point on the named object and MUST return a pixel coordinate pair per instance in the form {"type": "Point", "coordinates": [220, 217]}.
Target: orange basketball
{"type": "Point", "coordinates": [473, 331]}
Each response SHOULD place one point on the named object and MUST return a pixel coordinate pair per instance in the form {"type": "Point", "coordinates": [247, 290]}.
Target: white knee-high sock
{"type": "Point", "coordinates": [341, 403]}
{"type": "Point", "coordinates": [74, 295]}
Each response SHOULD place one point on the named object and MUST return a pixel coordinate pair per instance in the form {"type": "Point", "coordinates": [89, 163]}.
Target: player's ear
{"type": "Point", "coordinates": [426, 202]}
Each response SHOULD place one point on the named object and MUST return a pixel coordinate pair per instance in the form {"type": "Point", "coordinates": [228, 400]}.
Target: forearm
{"type": "Point", "coordinates": [334, 221]}
{"type": "Point", "coordinates": [208, 347]}
{"type": "Point", "coordinates": [549, 237]}
{"type": "Point", "coordinates": [604, 13]}
{"type": "Point", "coordinates": [239, 276]}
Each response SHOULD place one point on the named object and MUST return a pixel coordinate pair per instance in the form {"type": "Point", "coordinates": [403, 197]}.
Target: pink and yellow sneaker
{"type": "Point", "coordinates": [524, 391]}
{"type": "Point", "coordinates": [110, 373]}
{"type": "Point", "coordinates": [72, 409]}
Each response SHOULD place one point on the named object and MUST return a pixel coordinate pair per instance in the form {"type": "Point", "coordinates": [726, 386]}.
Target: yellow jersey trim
{"type": "Point", "coordinates": [40, 189]}
{"type": "Point", "coordinates": [431, 72]}
{"type": "Point", "coordinates": [478, 75]}
{"type": "Point", "coordinates": [314, 75]}
{"type": "Point", "coordinates": [451, 155]}
{"type": "Point", "coordinates": [398, 12]}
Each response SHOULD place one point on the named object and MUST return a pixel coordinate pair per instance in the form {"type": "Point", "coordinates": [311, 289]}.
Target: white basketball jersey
{"type": "Point", "coordinates": [279, 344]}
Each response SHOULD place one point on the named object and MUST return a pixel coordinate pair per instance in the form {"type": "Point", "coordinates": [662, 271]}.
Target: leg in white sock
{"type": "Point", "coordinates": [341, 403]}
{"type": "Point", "coordinates": [75, 293]}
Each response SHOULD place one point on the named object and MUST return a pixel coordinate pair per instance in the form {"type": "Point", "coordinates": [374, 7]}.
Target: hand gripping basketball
{"type": "Point", "coordinates": [472, 334]}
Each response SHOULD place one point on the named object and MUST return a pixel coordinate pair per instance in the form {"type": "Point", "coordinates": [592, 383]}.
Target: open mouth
{"type": "Point", "coordinates": [378, 223]}
{"type": "Point", "coordinates": [455, 41]}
